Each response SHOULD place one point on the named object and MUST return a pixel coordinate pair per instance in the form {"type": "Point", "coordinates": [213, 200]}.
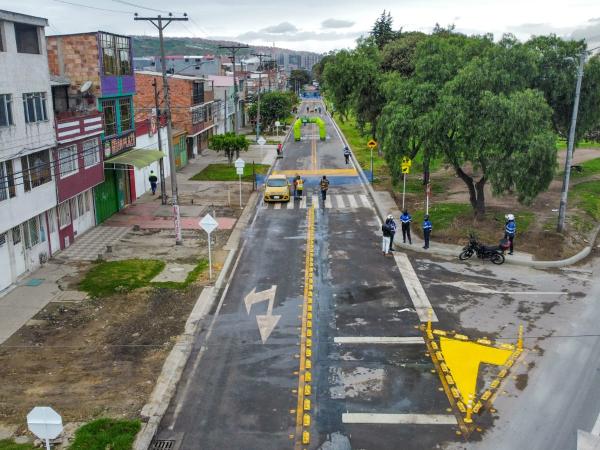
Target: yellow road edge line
{"type": "Point", "coordinates": [301, 380]}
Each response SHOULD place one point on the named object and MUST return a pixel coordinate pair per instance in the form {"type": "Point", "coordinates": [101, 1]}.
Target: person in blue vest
{"type": "Point", "coordinates": [347, 154]}
{"type": "Point", "coordinates": [510, 229]}
{"type": "Point", "coordinates": [426, 230]}
{"type": "Point", "coordinates": [406, 219]}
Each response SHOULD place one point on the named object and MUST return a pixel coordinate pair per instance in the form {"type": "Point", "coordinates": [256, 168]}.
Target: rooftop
{"type": "Point", "coordinates": [10, 16]}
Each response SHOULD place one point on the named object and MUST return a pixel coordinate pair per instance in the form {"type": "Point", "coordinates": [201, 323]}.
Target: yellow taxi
{"type": "Point", "coordinates": [277, 189]}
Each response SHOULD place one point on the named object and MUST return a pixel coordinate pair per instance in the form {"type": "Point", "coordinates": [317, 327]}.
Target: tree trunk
{"type": "Point", "coordinates": [479, 188]}
{"type": "Point", "coordinates": [426, 169]}
{"type": "Point", "coordinates": [476, 191]}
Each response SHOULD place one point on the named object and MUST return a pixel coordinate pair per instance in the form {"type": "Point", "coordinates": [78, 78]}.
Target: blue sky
{"type": "Point", "coordinates": [317, 25]}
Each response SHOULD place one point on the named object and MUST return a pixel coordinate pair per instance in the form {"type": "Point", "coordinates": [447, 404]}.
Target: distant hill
{"type": "Point", "coordinates": [149, 46]}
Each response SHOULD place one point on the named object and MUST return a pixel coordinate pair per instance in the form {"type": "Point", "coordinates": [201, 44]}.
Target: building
{"type": "Point", "coordinates": [225, 101]}
{"type": "Point", "coordinates": [192, 109]}
{"type": "Point", "coordinates": [28, 223]}
{"type": "Point", "coordinates": [100, 64]}
{"type": "Point", "coordinates": [198, 66]}
{"type": "Point", "coordinates": [147, 132]}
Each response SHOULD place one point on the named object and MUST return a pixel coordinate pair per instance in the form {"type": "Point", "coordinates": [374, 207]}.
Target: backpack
{"type": "Point", "coordinates": [386, 229]}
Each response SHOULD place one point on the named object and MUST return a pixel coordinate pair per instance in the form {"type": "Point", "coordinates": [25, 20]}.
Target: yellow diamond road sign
{"type": "Point", "coordinates": [371, 144]}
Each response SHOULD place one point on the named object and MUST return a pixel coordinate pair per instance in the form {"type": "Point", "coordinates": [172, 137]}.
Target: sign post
{"type": "Point", "coordinates": [45, 423]}
{"type": "Point", "coordinates": [372, 144]}
{"type": "Point", "coordinates": [427, 194]}
{"type": "Point", "coordinates": [209, 224]}
{"type": "Point", "coordinates": [239, 168]}
{"type": "Point", "coordinates": [277, 125]}
{"type": "Point", "coordinates": [406, 163]}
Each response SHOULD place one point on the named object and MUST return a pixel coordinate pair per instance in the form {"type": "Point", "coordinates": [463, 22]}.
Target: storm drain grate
{"type": "Point", "coordinates": [163, 444]}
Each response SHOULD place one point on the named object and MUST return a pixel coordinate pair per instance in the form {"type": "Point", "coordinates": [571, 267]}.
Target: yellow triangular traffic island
{"type": "Point", "coordinates": [458, 359]}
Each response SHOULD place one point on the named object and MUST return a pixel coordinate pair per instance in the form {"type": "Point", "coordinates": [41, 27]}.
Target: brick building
{"type": "Point", "coordinates": [192, 108]}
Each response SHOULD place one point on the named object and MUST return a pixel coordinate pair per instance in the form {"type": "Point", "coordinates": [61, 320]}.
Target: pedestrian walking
{"type": "Point", "coordinates": [299, 187]}
{"type": "Point", "coordinates": [510, 229]}
{"type": "Point", "coordinates": [427, 226]}
{"type": "Point", "coordinates": [153, 181]}
{"type": "Point", "coordinates": [406, 219]}
{"type": "Point", "coordinates": [324, 187]}
{"type": "Point", "coordinates": [393, 227]}
{"type": "Point", "coordinates": [347, 154]}
{"type": "Point", "coordinates": [385, 244]}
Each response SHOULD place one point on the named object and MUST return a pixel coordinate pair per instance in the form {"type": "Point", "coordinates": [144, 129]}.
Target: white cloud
{"type": "Point", "coordinates": [336, 23]}
{"type": "Point", "coordinates": [283, 27]}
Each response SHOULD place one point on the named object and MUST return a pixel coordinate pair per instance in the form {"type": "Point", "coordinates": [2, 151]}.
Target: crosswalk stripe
{"type": "Point", "coordinates": [328, 202]}
{"type": "Point", "coordinates": [340, 201]}
{"type": "Point", "coordinates": [352, 201]}
{"type": "Point", "coordinates": [290, 204]}
{"type": "Point", "coordinates": [303, 202]}
{"type": "Point", "coordinates": [364, 200]}
{"type": "Point", "coordinates": [315, 201]}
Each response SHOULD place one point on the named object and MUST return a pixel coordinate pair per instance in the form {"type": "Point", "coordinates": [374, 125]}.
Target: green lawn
{"type": "Point", "coordinates": [588, 197]}
{"type": "Point", "coordinates": [590, 167]}
{"type": "Point", "coordinates": [104, 434]}
{"type": "Point", "coordinates": [225, 172]}
{"type": "Point", "coordinates": [414, 185]}
{"type": "Point", "coordinates": [561, 144]}
{"type": "Point", "coordinates": [8, 444]}
{"type": "Point", "coordinates": [108, 277]}
{"type": "Point", "coordinates": [442, 215]}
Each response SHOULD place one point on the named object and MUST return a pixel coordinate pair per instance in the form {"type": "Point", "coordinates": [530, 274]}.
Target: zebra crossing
{"type": "Point", "coordinates": [338, 201]}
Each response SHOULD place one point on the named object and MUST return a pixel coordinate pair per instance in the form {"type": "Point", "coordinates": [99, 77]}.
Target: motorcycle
{"type": "Point", "coordinates": [494, 253]}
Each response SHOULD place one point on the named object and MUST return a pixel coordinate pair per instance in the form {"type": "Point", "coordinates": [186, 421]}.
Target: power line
{"type": "Point", "coordinates": [140, 6]}
{"type": "Point", "coordinates": [94, 7]}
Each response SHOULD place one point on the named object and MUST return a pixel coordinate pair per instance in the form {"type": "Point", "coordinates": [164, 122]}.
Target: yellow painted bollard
{"type": "Point", "coordinates": [429, 316]}
{"type": "Point", "coordinates": [305, 437]}
{"type": "Point", "coordinates": [520, 339]}
{"type": "Point", "coordinates": [468, 417]}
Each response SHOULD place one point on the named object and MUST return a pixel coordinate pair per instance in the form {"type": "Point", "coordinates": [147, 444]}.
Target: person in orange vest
{"type": "Point", "coordinates": [299, 186]}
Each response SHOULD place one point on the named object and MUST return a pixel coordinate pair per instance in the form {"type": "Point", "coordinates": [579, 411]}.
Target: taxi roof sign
{"type": "Point", "coordinates": [371, 144]}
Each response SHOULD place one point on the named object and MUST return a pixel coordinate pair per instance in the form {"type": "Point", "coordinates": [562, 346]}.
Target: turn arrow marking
{"type": "Point", "coordinates": [266, 322]}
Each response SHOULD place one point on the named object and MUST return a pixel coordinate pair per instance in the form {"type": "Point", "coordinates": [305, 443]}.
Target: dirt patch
{"type": "Point", "coordinates": [94, 358]}
{"type": "Point", "coordinates": [521, 381]}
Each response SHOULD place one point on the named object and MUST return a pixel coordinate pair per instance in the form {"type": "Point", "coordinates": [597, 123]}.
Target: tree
{"type": "Point", "coordinates": [273, 106]}
{"type": "Point", "coordinates": [229, 143]}
{"type": "Point", "coordinates": [382, 31]}
{"type": "Point", "coordinates": [300, 77]}
{"type": "Point", "coordinates": [398, 55]}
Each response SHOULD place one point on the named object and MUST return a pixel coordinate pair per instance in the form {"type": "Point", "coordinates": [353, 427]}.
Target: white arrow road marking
{"type": "Point", "coordinates": [479, 288]}
{"type": "Point", "coordinates": [266, 322]}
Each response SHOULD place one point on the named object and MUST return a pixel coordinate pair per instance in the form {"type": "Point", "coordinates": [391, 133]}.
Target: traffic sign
{"type": "Point", "coordinates": [208, 223]}
{"type": "Point", "coordinates": [277, 123]}
{"type": "Point", "coordinates": [405, 169]}
{"type": "Point", "coordinates": [239, 171]}
{"type": "Point", "coordinates": [406, 161]}
{"type": "Point", "coordinates": [261, 141]}
{"type": "Point", "coordinates": [240, 163]}
{"type": "Point", "coordinates": [371, 144]}
{"type": "Point", "coordinates": [45, 423]}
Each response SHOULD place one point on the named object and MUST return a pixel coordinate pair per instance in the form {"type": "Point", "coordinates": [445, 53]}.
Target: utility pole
{"type": "Point", "coordinates": [567, 175]}
{"type": "Point", "coordinates": [225, 110]}
{"type": "Point", "coordinates": [163, 190]}
{"type": "Point", "coordinates": [260, 57]}
{"type": "Point", "coordinates": [234, 49]}
{"type": "Point", "coordinates": [161, 23]}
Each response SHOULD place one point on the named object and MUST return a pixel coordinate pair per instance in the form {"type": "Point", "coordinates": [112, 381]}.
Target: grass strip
{"type": "Point", "coordinates": [226, 172]}
{"type": "Point", "coordinates": [103, 434]}
{"type": "Point", "coordinates": [8, 444]}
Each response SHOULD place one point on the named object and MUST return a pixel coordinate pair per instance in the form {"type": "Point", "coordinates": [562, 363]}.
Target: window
{"type": "Point", "coordinates": [27, 38]}
{"type": "Point", "coordinates": [125, 112]}
{"type": "Point", "coordinates": [68, 161]}
{"type": "Point", "coordinates": [31, 232]}
{"type": "Point", "coordinates": [1, 41]}
{"type": "Point", "coordinates": [198, 93]}
{"type": "Point", "coordinates": [116, 52]}
{"type": "Point", "coordinates": [64, 215]}
{"type": "Point", "coordinates": [73, 203]}
{"type": "Point", "coordinates": [2, 239]}
{"type": "Point", "coordinates": [91, 153]}
{"type": "Point", "coordinates": [7, 181]}
{"type": "Point", "coordinates": [16, 234]}
{"type": "Point", "coordinates": [6, 117]}
{"type": "Point", "coordinates": [198, 114]}
{"type": "Point", "coordinates": [36, 169]}
{"type": "Point", "coordinates": [110, 117]}
{"type": "Point", "coordinates": [34, 105]}
{"type": "Point", "coordinates": [80, 204]}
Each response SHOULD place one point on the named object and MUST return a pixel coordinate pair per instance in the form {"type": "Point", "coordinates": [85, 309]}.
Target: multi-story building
{"type": "Point", "coordinates": [99, 64]}
{"type": "Point", "coordinates": [225, 101]}
{"type": "Point", "coordinates": [28, 224]}
{"type": "Point", "coordinates": [192, 109]}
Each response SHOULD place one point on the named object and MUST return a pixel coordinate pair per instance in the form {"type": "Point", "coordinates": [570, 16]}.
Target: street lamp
{"type": "Point", "coordinates": [569, 159]}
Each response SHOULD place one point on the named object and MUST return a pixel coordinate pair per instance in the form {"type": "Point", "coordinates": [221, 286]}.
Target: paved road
{"type": "Point", "coordinates": [239, 392]}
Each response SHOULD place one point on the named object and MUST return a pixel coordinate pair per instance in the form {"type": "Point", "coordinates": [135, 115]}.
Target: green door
{"type": "Point", "coordinates": [121, 186]}
{"type": "Point", "coordinates": [106, 197]}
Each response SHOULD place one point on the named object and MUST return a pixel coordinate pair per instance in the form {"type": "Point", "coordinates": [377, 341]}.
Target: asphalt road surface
{"type": "Point", "coordinates": [371, 390]}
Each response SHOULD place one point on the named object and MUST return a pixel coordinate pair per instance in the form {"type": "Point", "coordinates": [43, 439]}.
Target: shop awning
{"type": "Point", "coordinates": [137, 158]}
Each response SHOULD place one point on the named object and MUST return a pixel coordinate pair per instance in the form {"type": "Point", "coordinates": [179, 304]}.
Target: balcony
{"type": "Point", "coordinates": [75, 125]}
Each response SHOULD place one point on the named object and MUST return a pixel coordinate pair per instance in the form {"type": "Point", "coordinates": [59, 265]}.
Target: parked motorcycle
{"type": "Point", "coordinates": [494, 253]}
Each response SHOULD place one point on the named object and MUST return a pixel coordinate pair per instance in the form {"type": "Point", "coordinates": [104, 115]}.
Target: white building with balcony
{"type": "Point", "coordinates": [224, 99]}
{"type": "Point", "coordinates": [28, 223]}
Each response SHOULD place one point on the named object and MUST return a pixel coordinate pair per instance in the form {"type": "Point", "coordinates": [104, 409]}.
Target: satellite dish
{"type": "Point", "coordinates": [85, 87]}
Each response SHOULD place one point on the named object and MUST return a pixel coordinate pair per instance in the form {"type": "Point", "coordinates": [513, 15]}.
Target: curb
{"type": "Point", "coordinates": [174, 365]}
{"type": "Point", "coordinates": [449, 252]}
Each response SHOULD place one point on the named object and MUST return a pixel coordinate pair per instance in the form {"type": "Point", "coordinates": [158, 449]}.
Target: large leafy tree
{"type": "Point", "coordinates": [229, 143]}
{"type": "Point", "coordinates": [299, 76]}
{"type": "Point", "coordinates": [399, 54]}
{"type": "Point", "coordinates": [382, 31]}
{"type": "Point", "coordinates": [273, 106]}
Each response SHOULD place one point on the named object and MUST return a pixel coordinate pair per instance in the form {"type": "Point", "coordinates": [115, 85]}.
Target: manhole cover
{"type": "Point", "coordinates": [163, 444]}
